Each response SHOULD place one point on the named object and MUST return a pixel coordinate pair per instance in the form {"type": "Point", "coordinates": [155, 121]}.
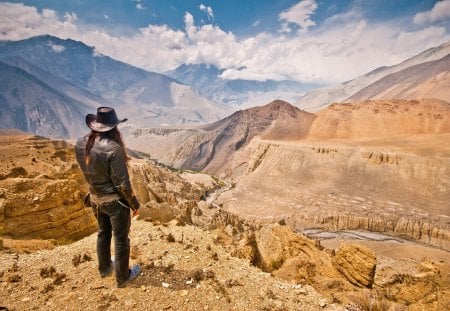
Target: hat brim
{"type": "Point", "coordinates": [91, 122]}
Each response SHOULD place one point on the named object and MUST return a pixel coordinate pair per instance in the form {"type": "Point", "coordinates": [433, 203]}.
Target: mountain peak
{"type": "Point", "coordinates": [279, 104]}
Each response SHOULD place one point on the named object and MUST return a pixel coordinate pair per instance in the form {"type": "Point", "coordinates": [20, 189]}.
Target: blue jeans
{"type": "Point", "coordinates": [116, 218]}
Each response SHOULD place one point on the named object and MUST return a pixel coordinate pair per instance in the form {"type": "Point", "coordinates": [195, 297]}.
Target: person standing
{"type": "Point", "coordinates": [102, 158]}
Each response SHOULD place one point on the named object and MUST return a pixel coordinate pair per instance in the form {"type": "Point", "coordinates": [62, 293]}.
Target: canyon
{"type": "Point", "coordinates": [380, 166]}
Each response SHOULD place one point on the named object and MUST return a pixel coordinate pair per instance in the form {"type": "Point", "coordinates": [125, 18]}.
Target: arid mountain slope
{"type": "Point", "coordinates": [381, 119]}
{"type": "Point", "coordinates": [210, 147]}
{"type": "Point", "coordinates": [184, 268]}
{"type": "Point", "coordinates": [427, 80]}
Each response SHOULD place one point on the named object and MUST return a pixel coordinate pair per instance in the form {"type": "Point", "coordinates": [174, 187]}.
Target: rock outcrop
{"type": "Point", "coordinates": [41, 190]}
{"type": "Point", "coordinates": [277, 243]}
{"type": "Point", "coordinates": [423, 285]}
{"type": "Point", "coordinates": [163, 194]}
{"type": "Point", "coordinates": [357, 263]}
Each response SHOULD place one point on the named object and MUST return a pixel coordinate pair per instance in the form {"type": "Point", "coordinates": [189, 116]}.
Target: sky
{"type": "Point", "coordinates": [311, 41]}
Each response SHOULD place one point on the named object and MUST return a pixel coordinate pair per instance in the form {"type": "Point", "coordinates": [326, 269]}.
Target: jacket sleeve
{"type": "Point", "coordinates": [121, 179]}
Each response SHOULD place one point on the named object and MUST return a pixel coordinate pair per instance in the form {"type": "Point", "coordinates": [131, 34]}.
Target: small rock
{"type": "Point", "coordinates": [323, 303]}
{"type": "Point", "coordinates": [184, 293]}
{"type": "Point", "coordinates": [301, 291]}
{"type": "Point", "coordinates": [143, 287]}
{"type": "Point", "coordinates": [25, 299]}
{"type": "Point", "coordinates": [165, 285]}
{"type": "Point", "coordinates": [189, 282]}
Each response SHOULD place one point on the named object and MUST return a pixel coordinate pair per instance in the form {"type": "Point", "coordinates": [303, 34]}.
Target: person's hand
{"type": "Point", "coordinates": [135, 213]}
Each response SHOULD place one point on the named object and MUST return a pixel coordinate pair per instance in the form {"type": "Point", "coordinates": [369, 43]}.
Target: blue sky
{"type": "Point", "coordinates": [310, 40]}
{"type": "Point", "coordinates": [243, 17]}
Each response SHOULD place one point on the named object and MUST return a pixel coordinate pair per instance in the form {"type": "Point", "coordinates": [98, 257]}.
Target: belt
{"type": "Point", "coordinates": [99, 199]}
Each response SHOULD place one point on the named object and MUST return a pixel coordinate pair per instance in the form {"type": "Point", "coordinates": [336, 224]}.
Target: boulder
{"type": "Point", "coordinates": [276, 244]}
{"type": "Point", "coordinates": [357, 263]}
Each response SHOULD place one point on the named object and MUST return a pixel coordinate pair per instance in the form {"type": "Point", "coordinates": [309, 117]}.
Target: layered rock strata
{"type": "Point", "coordinates": [357, 263]}
{"type": "Point", "coordinates": [41, 190]}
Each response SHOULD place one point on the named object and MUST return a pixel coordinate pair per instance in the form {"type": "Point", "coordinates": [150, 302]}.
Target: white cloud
{"type": "Point", "coordinates": [106, 16]}
{"type": "Point", "coordinates": [256, 23]}
{"type": "Point", "coordinates": [208, 10]}
{"type": "Point", "coordinates": [18, 21]}
{"type": "Point", "coordinates": [69, 17]}
{"type": "Point", "coordinates": [139, 4]}
{"type": "Point", "coordinates": [341, 48]}
{"type": "Point", "coordinates": [439, 12]}
{"type": "Point", "coordinates": [299, 14]}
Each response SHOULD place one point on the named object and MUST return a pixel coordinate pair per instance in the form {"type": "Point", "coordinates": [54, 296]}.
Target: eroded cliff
{"type": "Point", "coordinates": [41, 190]}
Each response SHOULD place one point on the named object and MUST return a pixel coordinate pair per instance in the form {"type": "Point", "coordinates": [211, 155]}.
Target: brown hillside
{"type": "Point", "coordinates": [211, 148]}
{"type": "Point", "coordinates": [381, 119]}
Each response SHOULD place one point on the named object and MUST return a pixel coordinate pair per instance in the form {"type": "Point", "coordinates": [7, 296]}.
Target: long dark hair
{"type": "Point", "coordinates": [113, 134]}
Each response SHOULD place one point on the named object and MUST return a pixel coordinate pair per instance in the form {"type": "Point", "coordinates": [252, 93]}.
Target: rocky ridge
{"type": "Point", "coordinates": [426, 80]}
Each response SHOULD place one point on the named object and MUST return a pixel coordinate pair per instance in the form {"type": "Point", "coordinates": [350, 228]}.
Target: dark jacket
{"type": "Point", "coordinates": [107, 171]}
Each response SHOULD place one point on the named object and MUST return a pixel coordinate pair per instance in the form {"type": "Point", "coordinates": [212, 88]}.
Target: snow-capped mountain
{"type": "Point", "coordinates": [79, 72]}
{"type": "Point", "coordinates": [244, 93]}
{"type": "Point", "coordinates": [320, 98]}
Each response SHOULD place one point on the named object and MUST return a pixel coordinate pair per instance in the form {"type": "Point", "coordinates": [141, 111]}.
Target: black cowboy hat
{"type": "Point", "coordinates": [105, 120]}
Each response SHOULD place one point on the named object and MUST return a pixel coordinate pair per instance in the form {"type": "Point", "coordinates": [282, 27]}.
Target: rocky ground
{"type": "Point", "coordinates": [184, 268]}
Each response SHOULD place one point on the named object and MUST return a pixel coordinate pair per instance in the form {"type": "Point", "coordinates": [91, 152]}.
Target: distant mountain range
{"type": "Point", "coordinates": [425, 75]}
{"type": "Point", "coordinates": [49, 84]}
{"type": "Point", "coordinates": [243, 93]}
{"type": "Point", "coordinates": [76, 73]}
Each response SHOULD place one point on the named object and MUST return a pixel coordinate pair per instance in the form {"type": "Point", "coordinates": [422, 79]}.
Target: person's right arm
{"type": "Point", "coordinates": [121, 179]}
